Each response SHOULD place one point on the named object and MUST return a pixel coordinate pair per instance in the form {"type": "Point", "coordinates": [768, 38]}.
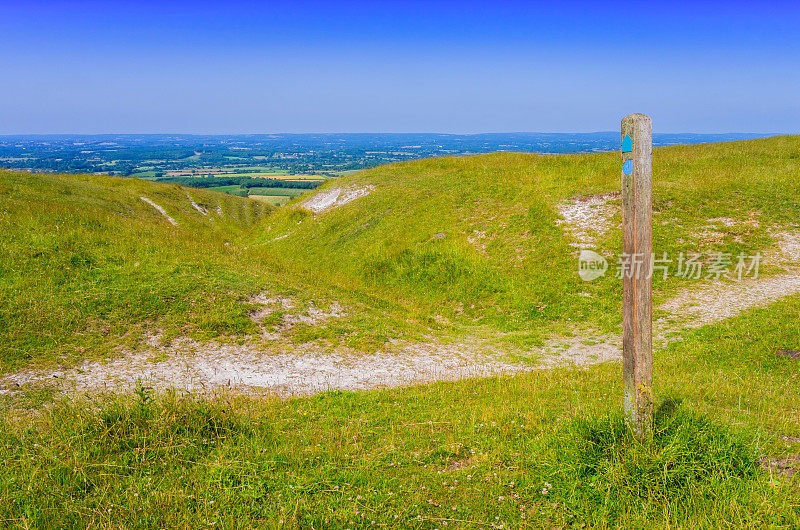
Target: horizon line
{"type": "Point", "coordinates": [387, 133]}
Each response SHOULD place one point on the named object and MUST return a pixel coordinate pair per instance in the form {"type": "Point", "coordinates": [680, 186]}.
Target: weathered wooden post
{"type": "Point", "coordinates": [637, 292]}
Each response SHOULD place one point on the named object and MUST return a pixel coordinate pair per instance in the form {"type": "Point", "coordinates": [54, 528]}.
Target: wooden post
{"type": "Point", "coordinates": [637, 292]}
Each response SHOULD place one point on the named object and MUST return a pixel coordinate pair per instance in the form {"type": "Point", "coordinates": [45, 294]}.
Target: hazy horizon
{"type": "Point", "coordinates": [333, 133]}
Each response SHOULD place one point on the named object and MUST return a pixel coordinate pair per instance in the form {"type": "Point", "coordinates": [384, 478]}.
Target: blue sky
{"type": "Point", "coordinates": [432, 66]}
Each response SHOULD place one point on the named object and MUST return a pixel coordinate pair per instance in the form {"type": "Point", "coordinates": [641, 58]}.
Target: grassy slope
{"type": "Point", "coordinates": [85, 264]}
{"type": "Point", "coordinates": [385, 456]}
{"type": "Point", "coordinates": [524, 282]}
{"type": "Point", "coordinates": [65, 290]}
{"type": "Point", "coordinates": [472, 454]}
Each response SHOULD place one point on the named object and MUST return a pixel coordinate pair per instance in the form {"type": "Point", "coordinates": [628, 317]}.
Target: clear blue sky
{"type": "Point", "coordinates": [423, 66]}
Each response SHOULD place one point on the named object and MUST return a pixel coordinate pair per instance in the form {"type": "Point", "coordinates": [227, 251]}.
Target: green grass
{"type": "Point", "coordinates": [86, 265]}
{"type": "Point", "coordinates": [376, 255]}
{"type": "Point", "coordinates": [285, 192]}
{"type": "Point", "coordinates": [233, 189]}
{"type": "Point", "coordinates": [605, 473]}
{"type": "Point", "coordinates": [524, 282]}
{"type": "Point", "coordinates": [543, 449]}
{"type": "Point", "coordinates": [274, 200]}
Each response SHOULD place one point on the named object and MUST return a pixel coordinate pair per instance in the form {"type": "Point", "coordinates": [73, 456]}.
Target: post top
{"type": "Point", "coordinates": [636, 116]}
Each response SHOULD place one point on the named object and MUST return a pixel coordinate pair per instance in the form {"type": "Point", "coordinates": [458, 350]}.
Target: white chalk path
{"type": "Point", "coordinates": [722, 300]}
{"type": "Point", "coordinates": [587, 218]}
{"type": "Point", "coordinates": [285, 369]}
{"type": "Point", "coordinates": [335, 197]}
{"type": "Point", "coordinates": [294, 370]}
{"type": "Point", "coordinates": [161, 210]}
{"type": "Point", "coordinates": [196, 206]}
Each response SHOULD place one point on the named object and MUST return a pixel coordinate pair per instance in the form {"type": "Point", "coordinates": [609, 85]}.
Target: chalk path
{"type": "Point", "coordinates": [278, 368]}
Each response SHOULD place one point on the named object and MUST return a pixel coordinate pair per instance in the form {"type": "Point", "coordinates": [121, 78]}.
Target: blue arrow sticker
{"type": "Point", "coordinates": [627, 167]}
{"type": "Point", "coordinates": [627, 144]}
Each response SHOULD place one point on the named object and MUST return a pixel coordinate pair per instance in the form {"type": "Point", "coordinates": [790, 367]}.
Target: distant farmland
{"type": "Point", "coordinates": [274, 200]}
{"type": "Point", "coordinates": [229, 173]}
{"type": "Point", "coordinates": [282, 192]}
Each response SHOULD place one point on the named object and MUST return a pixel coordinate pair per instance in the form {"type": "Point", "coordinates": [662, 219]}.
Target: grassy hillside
{"type": "Point", "coordinates": [86, 263]}
{"type": "Point", "coordinates": [475, 239]}
{"type": "Point", "coordinates": [451, 245]}
{"type": "Point", "coordinates": [465, 245]}
{"type": "Point", "coordinates": [491, 453]}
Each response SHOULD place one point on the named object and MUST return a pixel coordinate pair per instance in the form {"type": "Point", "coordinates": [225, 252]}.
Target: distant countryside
{"type": "Point", "coordinates": [274, 168]}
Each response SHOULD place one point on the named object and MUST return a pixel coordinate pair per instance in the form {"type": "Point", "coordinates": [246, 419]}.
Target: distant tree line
{"type": "Point", "coordinates": [243, 182]}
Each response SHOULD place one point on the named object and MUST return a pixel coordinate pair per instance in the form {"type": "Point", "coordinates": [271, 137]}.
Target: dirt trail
{"type": "Point", "coordinates": [719, 300]}
{"type": "Point", "coordinates": [298, 370]}
{"type": "Point", "coordinates": [161, 210]}
{"type": "Point", "coordinates": [196, 206]}
{"type": "Point", "coordinates": [287, 369]}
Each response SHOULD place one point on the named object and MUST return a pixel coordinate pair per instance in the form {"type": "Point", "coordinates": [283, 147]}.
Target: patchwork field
{"type": "Point", "coordinates": [233, 189]}
{"type": "Point", "coordinates": [284, 192]}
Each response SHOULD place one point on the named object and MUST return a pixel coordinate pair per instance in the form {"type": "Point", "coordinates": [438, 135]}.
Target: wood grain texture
{"type": "Point", "coordinates": [637, 293]}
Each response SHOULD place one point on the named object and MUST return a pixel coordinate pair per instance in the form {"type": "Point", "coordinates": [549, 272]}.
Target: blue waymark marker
{"type": "Point", "coordinates": [627, 144]}
{"type": "Point", "coordinates": [627, 167]}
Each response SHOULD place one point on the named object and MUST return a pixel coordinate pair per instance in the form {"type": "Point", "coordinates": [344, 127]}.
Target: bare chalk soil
{"type": "Point", "coordinates": [160, 210]}
{"type": "Point", "coordinates": [335, 197]}
{"type": "Point", "coordinates": [290, 369]}
{"type": "Point", "coordinates": [588, 218]}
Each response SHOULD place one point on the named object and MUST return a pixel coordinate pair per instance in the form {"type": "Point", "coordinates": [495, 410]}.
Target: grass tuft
{"type": "Point", "coordinates": [605, 473]}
